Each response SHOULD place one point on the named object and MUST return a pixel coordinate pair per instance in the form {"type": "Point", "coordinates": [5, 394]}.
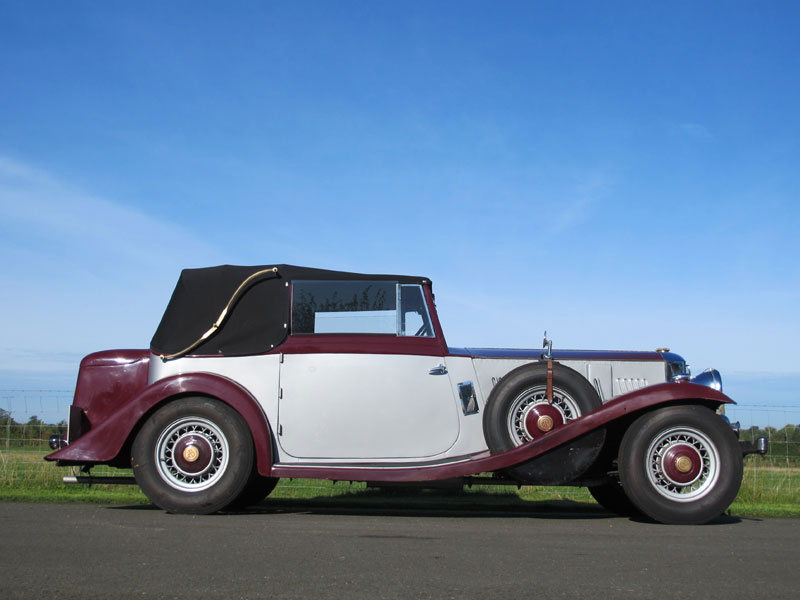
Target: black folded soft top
{"type": "Point", "coordinates": [257, 322]}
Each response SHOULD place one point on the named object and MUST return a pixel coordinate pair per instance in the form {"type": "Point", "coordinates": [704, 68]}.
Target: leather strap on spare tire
{"type": "Point", "coordinates": [550, 381]}
{"type": "Point", "coordinates": [506, 422]}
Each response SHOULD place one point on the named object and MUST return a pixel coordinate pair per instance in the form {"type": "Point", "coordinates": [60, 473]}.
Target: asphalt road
{"type": "Point", "coordinates": [86, 551]}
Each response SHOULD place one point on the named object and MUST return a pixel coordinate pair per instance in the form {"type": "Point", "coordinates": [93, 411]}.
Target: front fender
{"type": "Point", "coordinates": [663, 394]}
{"type": "Point", "coordinates": [103, 443]}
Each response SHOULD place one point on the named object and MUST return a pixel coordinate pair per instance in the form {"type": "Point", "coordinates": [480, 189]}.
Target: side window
{"type": "Point", "coordinates": [344, 307]}
{"type": "Point", "coordinates": [414, 318]}
{"type": "Point", "coordinates": [359, 307]}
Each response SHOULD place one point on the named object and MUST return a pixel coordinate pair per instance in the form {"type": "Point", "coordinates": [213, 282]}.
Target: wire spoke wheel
{"type": "Point", "coordinates": [683, 464]}
{"type": "Point", "coordinates": [192, 454]}
{"type": "Point", "coordinates": [680, 464]}
{"type": "Point", "coordinates": [517, 412]}
{"type": "Point", "coordinates": [525, 406]}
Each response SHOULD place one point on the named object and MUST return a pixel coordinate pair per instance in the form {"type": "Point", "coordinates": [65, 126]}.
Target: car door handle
{"type": "Point", "coordinates": [439, 369]}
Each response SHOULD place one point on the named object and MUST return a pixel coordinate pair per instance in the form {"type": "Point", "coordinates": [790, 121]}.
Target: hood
{"type": "Point", "coordinates": [521, 353]}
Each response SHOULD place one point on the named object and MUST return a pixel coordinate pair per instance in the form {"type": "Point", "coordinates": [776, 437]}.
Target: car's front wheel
{"type": "Point", "coordinates": [194, 456]}
{"type": "Point", "coordinates": [680, 464]}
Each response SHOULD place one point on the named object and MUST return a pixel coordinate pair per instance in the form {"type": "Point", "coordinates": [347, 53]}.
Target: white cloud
{"type": "Point", "coordinates": [81, 273]}
{"type": "Point", "coordinates": [55, 216]}
{"type": "Point", "coordinates": [696, 131]}
{"type": "Point", "coordinates": [576, 208]}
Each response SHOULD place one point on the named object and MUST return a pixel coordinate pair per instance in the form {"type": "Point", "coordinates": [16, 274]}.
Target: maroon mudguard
{"type": "Point", "coordinates": [105, 439]}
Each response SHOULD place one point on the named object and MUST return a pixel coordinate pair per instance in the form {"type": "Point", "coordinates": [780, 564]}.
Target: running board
{"type": "Point", "coordinates": [91, 480]}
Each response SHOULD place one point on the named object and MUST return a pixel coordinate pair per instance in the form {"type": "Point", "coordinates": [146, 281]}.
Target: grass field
{"type": "Point", "coordinates": [24, 476]}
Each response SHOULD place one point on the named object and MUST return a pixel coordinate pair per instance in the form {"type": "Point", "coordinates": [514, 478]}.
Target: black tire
{"type": "Point", "coordinates": [612, 497]}
{"type": "Point", "coordinates": [680, 464]}
{"type": "Point", "coordinates": [193, 456]}
{"type": "Point", "coordinates": [258, 487]}
{"type": "Point", "coordinates": [517, 393]}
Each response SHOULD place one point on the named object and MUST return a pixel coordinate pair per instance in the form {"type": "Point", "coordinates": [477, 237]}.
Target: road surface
{"type": "Point", "coordinates": [86, 551]}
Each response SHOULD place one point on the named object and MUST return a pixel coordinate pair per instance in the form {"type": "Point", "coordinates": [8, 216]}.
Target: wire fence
{"type": "Point", "coordinates": [29, 417]}
{"type": "Point", "coordinates": [780, 424]}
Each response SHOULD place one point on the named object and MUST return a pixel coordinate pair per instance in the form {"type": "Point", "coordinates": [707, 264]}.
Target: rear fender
{"type": "Point", "coordinates": [105, 441]}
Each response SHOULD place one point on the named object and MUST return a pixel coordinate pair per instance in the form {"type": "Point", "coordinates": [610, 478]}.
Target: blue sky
{"type": "Point", "coordinates": [624, 175]}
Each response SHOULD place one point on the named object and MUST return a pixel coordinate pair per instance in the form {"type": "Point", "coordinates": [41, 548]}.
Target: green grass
{"type": "Point", "coordinates": [24, 476]}
{"type": "Point", "coordinates": [767, 491]}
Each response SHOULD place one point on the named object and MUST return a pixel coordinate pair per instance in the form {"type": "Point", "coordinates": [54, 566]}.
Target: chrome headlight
{"type": "Point", "coordinates": [709, 378]}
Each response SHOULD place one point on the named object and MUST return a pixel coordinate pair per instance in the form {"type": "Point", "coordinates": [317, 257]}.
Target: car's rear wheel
{"type": "Point", "coordinates": [518, 411]}
{"type": "Point", "coordinates": [680, 464]}
{"type": "Point", "coordinates": [194, 456]}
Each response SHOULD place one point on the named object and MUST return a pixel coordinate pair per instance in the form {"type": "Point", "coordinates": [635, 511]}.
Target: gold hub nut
{"type": "Point", "coordinates": [684, 464]}
{"type": "Point", "coordinates": [191, 453]}
{"type": "Point", "coordinates": [545, 423]}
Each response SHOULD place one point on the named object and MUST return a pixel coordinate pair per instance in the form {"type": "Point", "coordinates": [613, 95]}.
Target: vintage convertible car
{"type": "Point", "coordinates": [310, 373]}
